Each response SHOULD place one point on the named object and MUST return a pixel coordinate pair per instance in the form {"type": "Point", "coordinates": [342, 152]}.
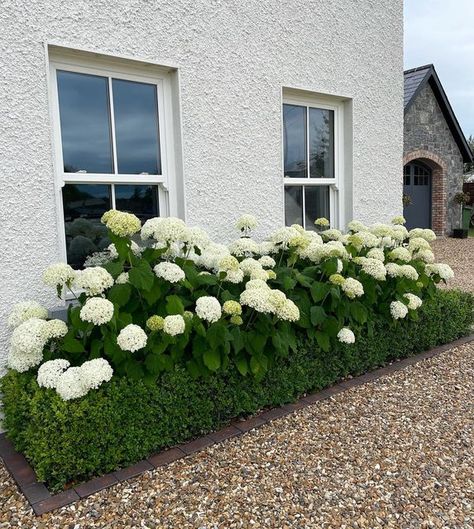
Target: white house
{"type": "Point", "coordinates": [200, 109]}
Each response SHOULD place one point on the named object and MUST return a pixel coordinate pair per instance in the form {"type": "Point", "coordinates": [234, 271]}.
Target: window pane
{"type": "Point", "coordinates": [140, 200]}
{"type": "Point", "coordinates": [85, 123]}
{"type": "Point", "coordinates": [136, 127]}
{"type": "Point", "coordinates": [294, 141]}
{"type": "Point", "coordinates": [84, 205]}
{"type": "Point", "coordinates": [321, 143]}
{"type": "Point", "coordinates": [316, 204]}
{"type": "Point", "coordinates": [293, 205]}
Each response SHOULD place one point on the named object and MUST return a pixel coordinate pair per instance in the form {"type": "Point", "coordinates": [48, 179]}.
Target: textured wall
{"type": "Point", "coordinates": [234, 57]}
{"type": "Point", "coordinates": [426, 129]}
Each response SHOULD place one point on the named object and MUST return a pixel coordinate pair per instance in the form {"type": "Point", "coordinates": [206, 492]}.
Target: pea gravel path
{"type": "Point", "coordinates": [394, 453]}
{"type": "Point", "coordinates": [459, 254]}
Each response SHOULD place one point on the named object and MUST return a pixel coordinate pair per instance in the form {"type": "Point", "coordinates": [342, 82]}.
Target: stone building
{"type": "Point", "coordinates": [435, 149]}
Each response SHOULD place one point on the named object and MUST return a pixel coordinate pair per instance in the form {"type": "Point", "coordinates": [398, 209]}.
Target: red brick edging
{"type": "Point", "coordinates": [42, 501]}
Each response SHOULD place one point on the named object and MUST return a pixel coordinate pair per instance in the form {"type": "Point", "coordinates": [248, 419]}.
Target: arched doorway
{"type": "Point", "coordinates": [417, 181]}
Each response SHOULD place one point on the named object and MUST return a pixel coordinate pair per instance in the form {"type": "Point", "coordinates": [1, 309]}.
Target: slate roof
{"type": "Point", "coordinates": [415, 80]}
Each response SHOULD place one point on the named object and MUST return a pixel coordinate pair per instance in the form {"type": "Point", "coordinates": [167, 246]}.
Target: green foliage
{"type": "Point", "coordinates": [127, 419]}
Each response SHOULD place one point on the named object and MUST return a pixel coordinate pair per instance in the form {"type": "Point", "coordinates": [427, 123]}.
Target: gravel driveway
{"type": "Point", "coordinates": [394, 453]}
{"type": "Point", "coordinates": [459, 254]}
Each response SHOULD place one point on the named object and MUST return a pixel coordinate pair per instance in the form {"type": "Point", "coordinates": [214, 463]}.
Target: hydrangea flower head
{"type": "Point", "coordinates": [169, 272]}
{"type": "Point", "coordinates": [345, 335]}
{"type": "Point", "coordinates": [132, 338]}
{"type": "Point", "coordinates": [25, 310]}
{"type": "Point", "coordinates": [174, 324]}
{"type": "Point", "coordinates": [97, 311]}
{"type": "Point", "coordinates": [208, 308]}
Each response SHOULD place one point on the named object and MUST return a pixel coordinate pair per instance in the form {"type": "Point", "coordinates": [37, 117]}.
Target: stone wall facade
{"type": "Point", "coordinates": [427, 138]}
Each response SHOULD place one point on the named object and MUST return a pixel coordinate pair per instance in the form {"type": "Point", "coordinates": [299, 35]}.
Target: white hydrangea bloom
{"type": "Point", "coordinates": [395, 270]}
{"type": "Point", "coordinates": [132, 338]}
{"type": "Point", "coordinates": [267, 262]}
{"type": "Point", "coordinates": [399, 233]}
{"type": "Point", "coordinates": [356, 226]}
{"type": "Point", "coordinates": [244, 247]}
{"type": "Point", "coordinates": [398, 220]}
{"type": "Point", "coordinates": [174, 324]}
{"type": "Point", "coordinates": [340, 266]}
{"type": "Point", "coordinates": [169, 272]}
{"type": "Point", "coordinates": [164, 229]}
{"type": "Point", "coordinates": [122, 278]}
{"type": "Point", "coordinates": [388, 242]}
{"type": "Point", "coordinates": [121, 223]}
{"type": "Point", "coordinates": [227, 263]}
{"type": "Point", "coordinates": [414, 302]}
{"type": "Point", "coordinates": [418, 243]}
{"type": "Point", "coordinates": [373, 268]}
{"type": "Point", "coordinates": [95, 372]}
{"type": "Point", "coordinates": [208, 308]}
{"type": "Point", "coordinates": [25, 310]}
{"type": "Point", "coordinates": [246, 223]}
{"type": "Point", "coordinates": [94, 280]}
{"type": "Point", "coordinates": [234, 276]}
{"type": "Point", "coordinates": [257, 298]}
{"type": "Point", "coordinates": [316, 252]}
{"type": "Point", "coordinates": [443, 270]}
{"type": "Point", "coordinates": [398, 310]}
{"type": "Point", "coordinates": [55, 329]}
{"type": "Point", "coordinates": [211, 256]}
{"type": "Point", "coordinates": [259, 274]}
{"type": "Point", "coordinates": [422, 233]}
{"type": "Point", "coordinates": [376, 253]}
{"type": "Point", "coordinates": [256, 283]}
{"type": "Point", "coordinates": [267, 248]}
{"type": "Point", "coordinates": [196, 236]}
{"type": "Point", "coordinates": [331, 235]}
{"type": "Point", "coordinates": [287, 311]}
{"type": "Point", "coordinates": [363, 239]}
{"type": "Point", "coordinates": [352, 288]}
{"type": "Point", "coordinates": [250, 265]}
{"type": "Point", "coordinates": [283, 236]}
{"type": "Point", "coordinates": [26, 344]}
{"type": "Point", "coordinates": [400, 254]}
{"type": "Point", "coordinates": [345, 335]}
{"type": "Point", "coordinates": [59, 274]}
{"type": "Point", "coordinates": [97, 311]}
{"type": "Point", "coordinates": [427, 256]}
{"type": "Point", "coordinates": [381, 230]}
{"type": "Point", "coordinates": [409, 272]}
{"type": "Point", "coordinates": [49, 372]}
{"type": "Point", "coordinates": [70, 384]}
{"type": "Point", "coordinates": [322, 221]}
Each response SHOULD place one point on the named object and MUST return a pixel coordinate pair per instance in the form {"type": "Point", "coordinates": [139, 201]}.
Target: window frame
{"type": "Point", "coordinates": [129, 70]}
{"type": "Point", "coordinates": [336, 187]}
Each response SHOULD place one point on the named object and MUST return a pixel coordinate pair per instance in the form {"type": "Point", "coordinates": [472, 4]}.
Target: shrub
{"type": "Point", "coordinates": [128, 419]}
{"type": "Point", "coordinates": [180, 300]}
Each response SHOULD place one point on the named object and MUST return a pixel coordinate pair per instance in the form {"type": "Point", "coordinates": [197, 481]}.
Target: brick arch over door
{"type": "Point", "coordinates": [438, 191]}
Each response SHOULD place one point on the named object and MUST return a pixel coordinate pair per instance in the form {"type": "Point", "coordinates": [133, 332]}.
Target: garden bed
{"type": "Point", "coordinates": [126, 420]}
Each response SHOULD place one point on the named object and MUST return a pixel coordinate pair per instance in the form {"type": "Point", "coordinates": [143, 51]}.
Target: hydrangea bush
{"type": "Point", "coordinates": [164, 294]}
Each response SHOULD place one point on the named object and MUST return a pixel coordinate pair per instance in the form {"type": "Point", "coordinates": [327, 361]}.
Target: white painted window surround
{"type": "Point", "coordinates": [336, 183]}
{"type": "Point", "coordinates": [169, 189]}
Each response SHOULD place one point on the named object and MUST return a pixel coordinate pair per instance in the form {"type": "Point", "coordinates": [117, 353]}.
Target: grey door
{"type": "Point", "coordinates": [417, 186]}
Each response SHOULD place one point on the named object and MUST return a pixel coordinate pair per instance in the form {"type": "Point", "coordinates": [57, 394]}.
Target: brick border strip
{"type": "Point", "coordinates": [42, 501]}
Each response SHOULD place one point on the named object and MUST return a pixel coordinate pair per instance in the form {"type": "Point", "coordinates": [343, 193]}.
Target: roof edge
{"type": "Point", "coordinates": [432, 78]}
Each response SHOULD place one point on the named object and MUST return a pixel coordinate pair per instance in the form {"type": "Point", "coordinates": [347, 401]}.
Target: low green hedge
{"type": "Point", "coordinates": [126, 420]}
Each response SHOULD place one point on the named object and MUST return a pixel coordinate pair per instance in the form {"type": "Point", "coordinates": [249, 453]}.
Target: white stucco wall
{"type": "Point", "coordinates": [233, 59]}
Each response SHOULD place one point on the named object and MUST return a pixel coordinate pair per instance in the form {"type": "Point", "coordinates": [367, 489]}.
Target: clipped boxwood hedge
{"type": "Point", "coordinates": [126, 420]}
